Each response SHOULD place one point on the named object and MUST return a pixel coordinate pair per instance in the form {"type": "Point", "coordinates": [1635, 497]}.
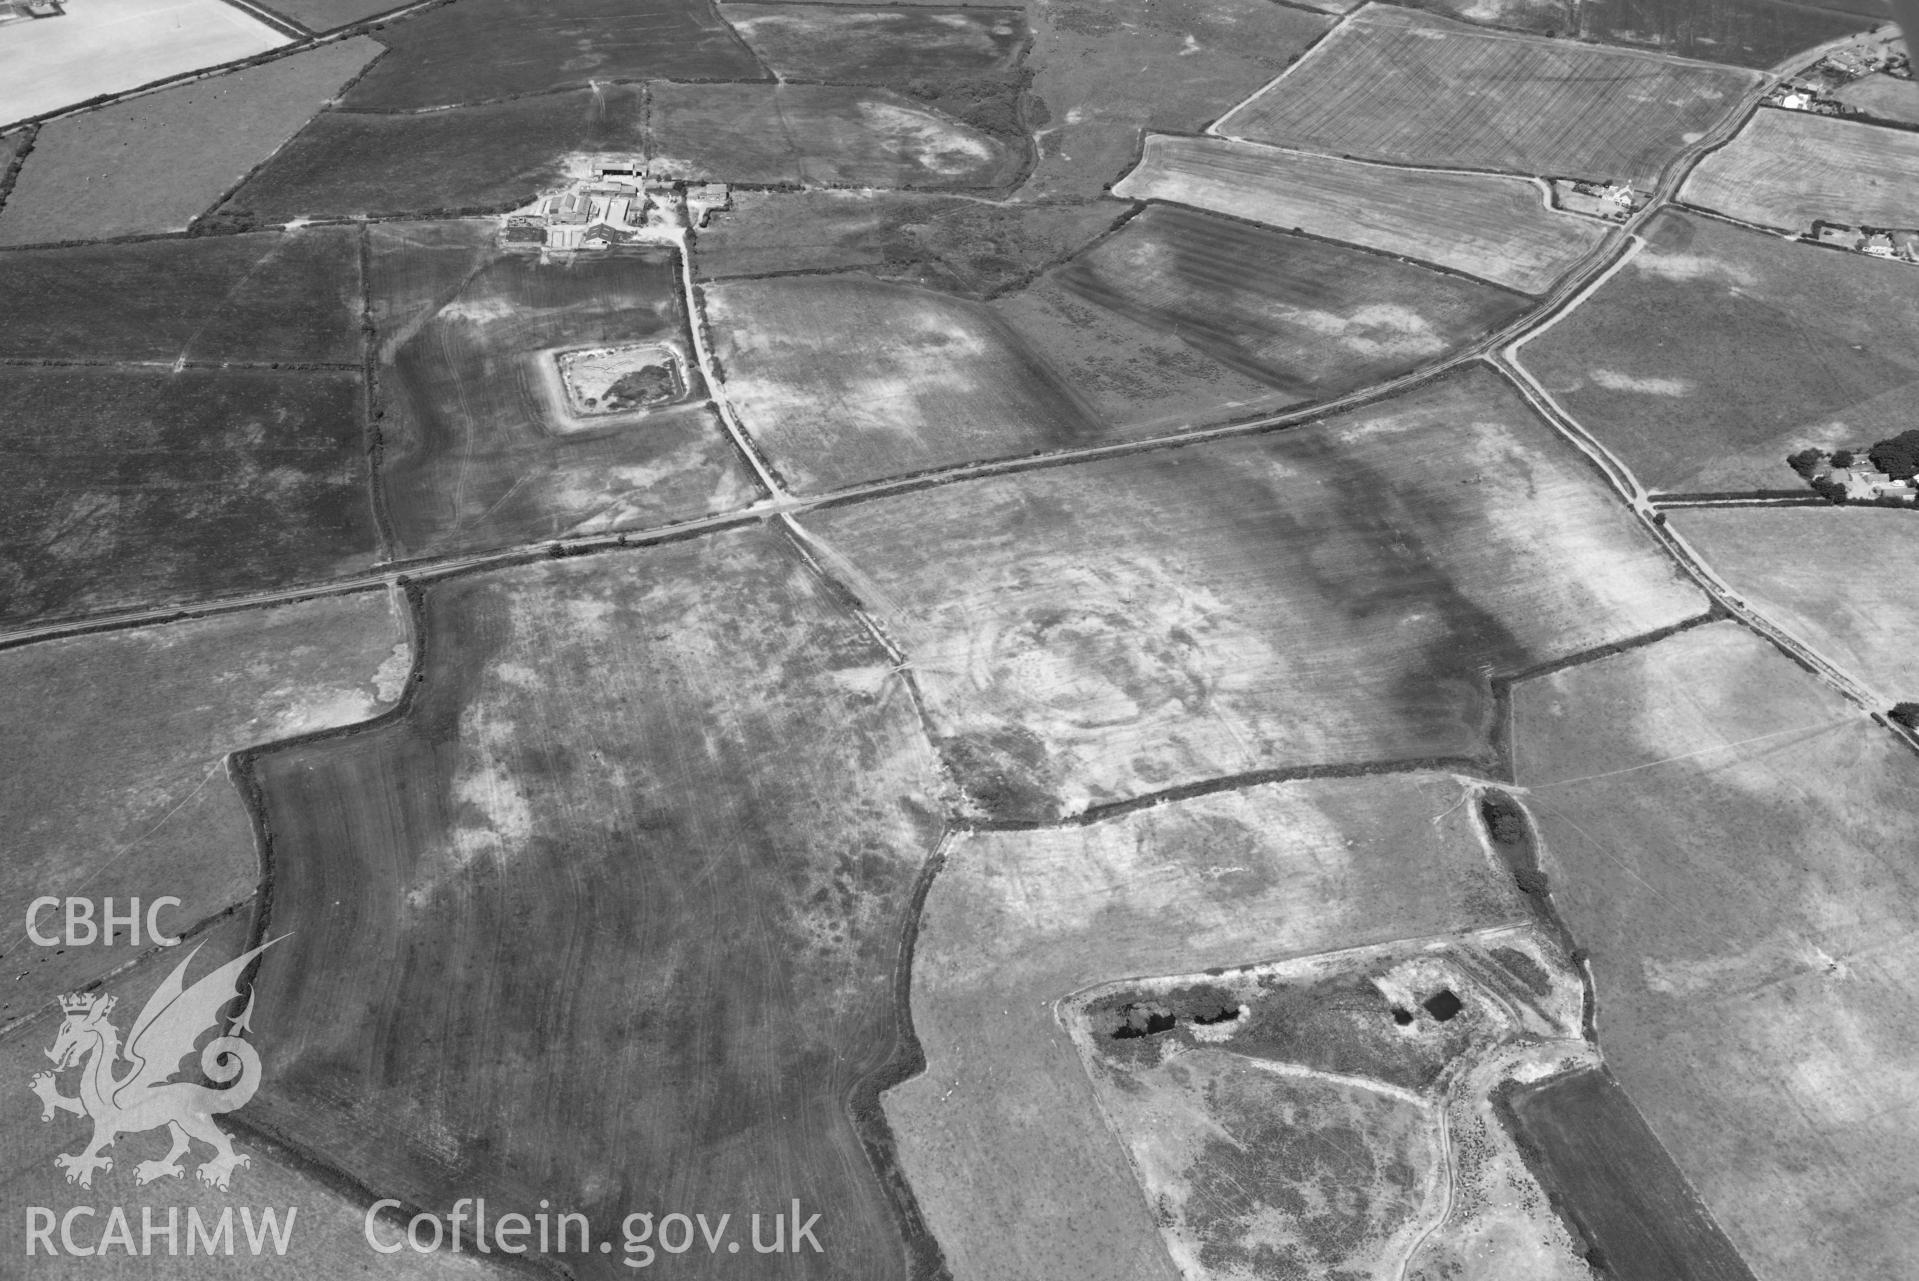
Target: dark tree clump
{"type": "Point", "coordinates": [1843, 458]}
{"type": "Point", "coordinates": [1906, 714]}
{"type": "Point", "coordinates": [1804, 462]}
{"type": "Point", "coordinates": [1899, 456]}
{"type": "Point", "coordinates": [1532, 881]}
{"type": "Point", "coordinates": [1830, 490]}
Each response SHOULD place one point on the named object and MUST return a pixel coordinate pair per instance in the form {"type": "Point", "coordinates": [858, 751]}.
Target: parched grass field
{"type": "Point", "coordinates": [1016, 921]}
{"type": "Point", "coordinates": [1311, 318]}
{"type": "Point", "coordinates": [612, 913]}
{"type": "Point", "coordinates": [1140, 381]}
{"type": "Point", "coordinates": [129, 486]}
{"type": "Point", "coordinates": [481, 50]}
{"type": "Point", "coordinates": [1882, 97]}
{"type": "Point", "coordinates": [110, 46]}
{"type": "Point", "coordinates": [1835, 578]}
{"type": "Point", "coordinates": [1327, 594]}
{"type": "Point", "coordinates": [1498, 229]}
{"type": "Point", "coordinates": [327, 1227]}
{"type": "Point", "coordinates": [1260, 1170]}
{"type": "Point", "coordinates": [493, 157]}
{"type": "Point", "coordinates": [1750, 33]}
{"type": "Point", "coordinates": [832, 135]}
{"type": "Point", "coordinates": [952, 243]}
{"type": "Point", "coordinates": [158, 162]}
{"type": "Point", "coordinates": [292, 297]}
{"type": "Point", "coordinates": [1106, 70]}
{"type": "Point", "coordinates": [1394, 84]}
{"type": "Point", "coordinates": [861, 45]}
{"type": "Point", "coordinates": [120, 787]}
{"type": "Point", "coordinates": [481, 448]}
{"type": "Point", "coordinates": [1717, 351]}
{"type": "Point", "coordinates": [1730, 841]}
{"type": "Point", "coordinates": [1788, 168]}
{"type": "Point", "coordinates": [842, 379]}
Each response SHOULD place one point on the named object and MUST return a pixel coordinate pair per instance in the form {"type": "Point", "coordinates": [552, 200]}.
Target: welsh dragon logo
{"type": "Point", "coordinates": [142, 1097]}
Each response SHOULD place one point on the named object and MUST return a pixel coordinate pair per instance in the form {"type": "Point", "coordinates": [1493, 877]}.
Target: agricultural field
{"type": "Point", "coordinates": [1311, 318]}
{"type": "Point", "coordinates": [819, 135]}
{"type": "Point", "coordinates": [951, 243]}
{"type": "Point", "coordinates": [322, 1237]}
{"type": "Point", "coordinates": [879, 46]}
{"type": "Point", "coordinates": [493, 157]}
{"type": "Point", "coordinates": [1725, 837]}
{"type": "Point", "coordinates": [1139, 381]}
{"type": "Point", "coordinates": [1396, 85]}
{"type": "Point", "coordinates": [254, 299]}
{"type": "Point", "coordinates": [110, 46]}
{"type": "Point", "coordinates": [330, 15]}
{"type": "Point", "coordinates": [121, 789]}
{"type": "Point", "coordinates": [145, 486]}
{"type": "Point", "coordinates": [485, 50]}
{"type": "Point", "coordinates": [1016, 921]}
{"type": "Point", "coordinates": [841, 379]}
{"type": "Point", "coordinates": [481, 444]}
{"type": "Point", "coordinates": [1103, 72]}
{"type": "Point", "coordinates": [1497, 229]}
{"type": "Point", "coordinates": [1751, 33]}
{"type": "Point", "coordinates": [1882, 97]}
{"type": "Point", "coordinates": [1614, 1181]}
{"type": "Point", "coordinates": [158, 162]}
{"type": "Point", "coordinates": [1330, 594]}
{"type": "Point", "coordinates": [1715, 351]}
{"type": "Point", "coordinates": [1828, 577]}
{"type": "Point", "coordinates": [613, 910]}
{"type": "Point", "coordinates": [1787, 169]}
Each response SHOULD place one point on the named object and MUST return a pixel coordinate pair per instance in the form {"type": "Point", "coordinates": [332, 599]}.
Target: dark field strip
{"type": "Point", "coordinates": [135, 486]}
{"type": "Point", "coordinates": [468, 160]}
{"type": "Point", "coordinates": [272, 297]}
{"type": "Point", "coordinates": [1588, 1144]}
{"type": "Point", "coordinates": [1398, 86]}
{"type": "Point", "coordinates": [481, 50]}
{"type": "Point", "coordinates": [1307, 316]}
{"type": "Point", "coordinates": [617, 897]}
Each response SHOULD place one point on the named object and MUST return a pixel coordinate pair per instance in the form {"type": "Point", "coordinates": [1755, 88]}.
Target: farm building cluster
{"type": "Point", "coordinates": [1887, 475]}
{"type": "Point", "coordinates": [1813, 89]}
{"type": "Point", "coordinates": [1880, 242]}
{"type": "Point", "coordinates": [615, 205]}
{"type": "Point", "coordinates": [24, 10]}
{"type": "Point", "coordinates": [1613, 201]}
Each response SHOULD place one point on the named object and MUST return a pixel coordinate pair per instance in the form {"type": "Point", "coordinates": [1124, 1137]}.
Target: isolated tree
{"type": "Point", "coordinates": [1805, 462]}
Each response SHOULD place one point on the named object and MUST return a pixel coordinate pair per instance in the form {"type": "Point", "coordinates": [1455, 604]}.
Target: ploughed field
{"type": "Point", "coordinates": [612, 906]}
{"type": "Point", "coordinates": [1744, 33]}
{"type": "Point", "coordinates": [1716, 351]}
{"type": "Point", "coordinates": [1330, 594]}
{"type": "Point", "coordinates": [1397, 85]}
{"type": "Point", "coordinates": [482, 445]}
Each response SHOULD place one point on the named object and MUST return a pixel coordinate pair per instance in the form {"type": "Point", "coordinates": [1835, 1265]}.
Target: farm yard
{"type": "Point", "coordinates": [1156, 640]}
{"type": "Point", "coordinates": [159, 162]}
{"type": "Point", "coordinates": [1716, 351]}
{"type": "Point", "coordinates": [1828, 576]}
{"type": "Point", "coordinates": [951, 243]}
{"type": "Point", "coordinates": [899, 380]}
{"type": "Point", "coordinates": [688, 764]}
{"type": "Point", "coordinates": [1324, 595]}
{"type": "Point", "coordinates": [1396, 85]}
{"type": "Point", "coordinates": [1722, 835]}
{"type": "Point", "coordinates": [1016, 921]}
{"type": "Point", "coordinates": [1498, 229]}
{"type": "Point", "coordinates": [109, 46]}
{"type": "Point", "coordinates": [819, 135]}
{"type": "Point", "coordinates": [1788, 169]}
{"type": "Point", "coordinates": [1311, 318]}
{"type": "Point", "coordinates": [482, 446]}
{"type": "Point", "coordinates": [123, 791]}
